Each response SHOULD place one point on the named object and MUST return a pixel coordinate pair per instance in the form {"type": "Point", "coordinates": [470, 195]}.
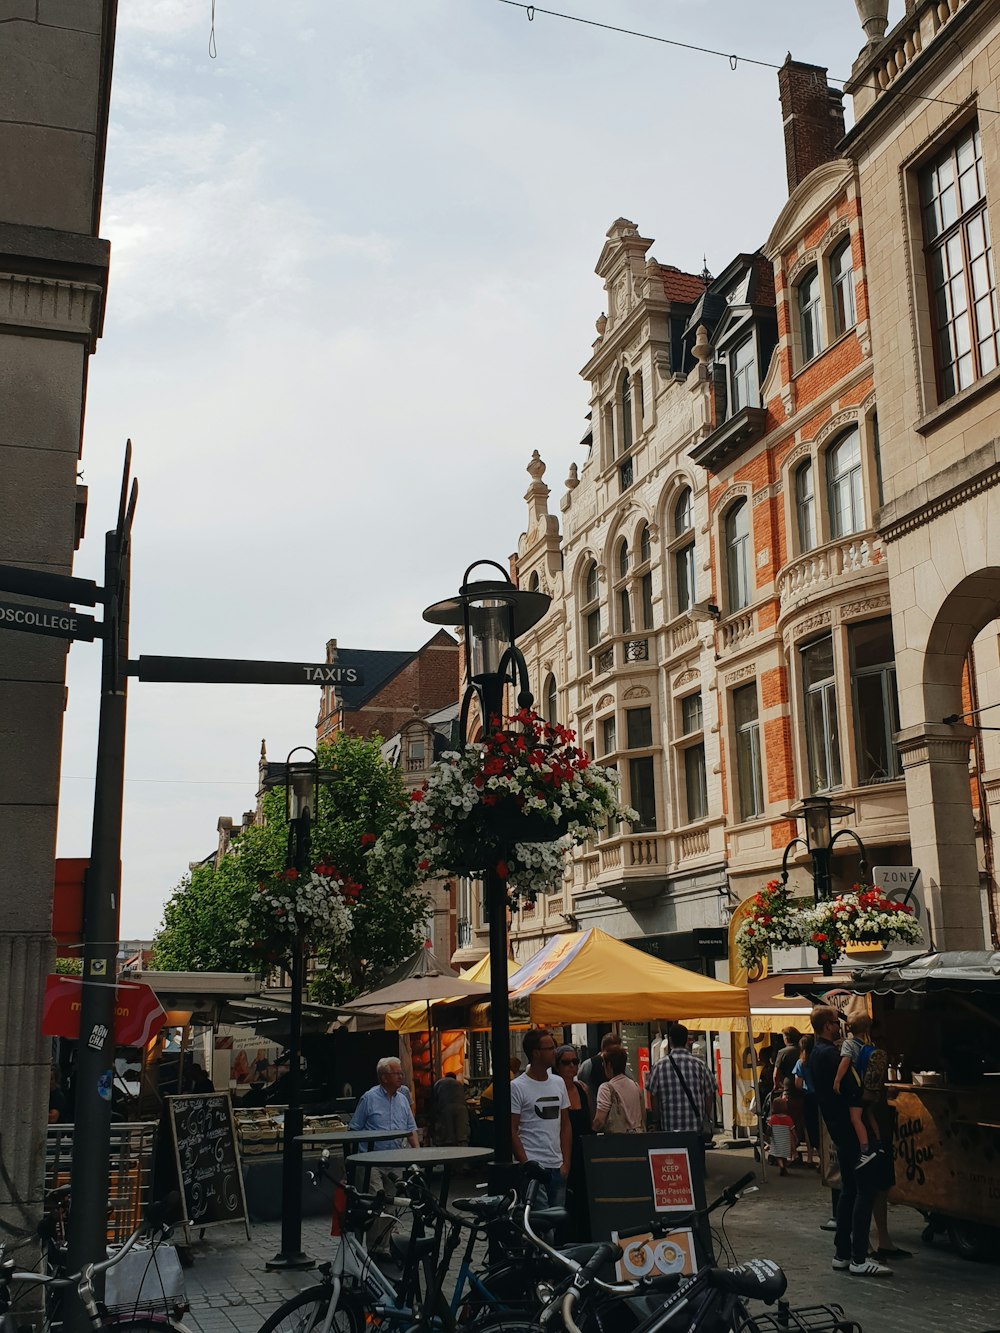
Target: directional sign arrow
{"type": "Point", "coordinates": [231, 671]}
{"type": "Point", "coordinates": [48, 620]}
{"type": "Point", "coordinates": [50, 587]}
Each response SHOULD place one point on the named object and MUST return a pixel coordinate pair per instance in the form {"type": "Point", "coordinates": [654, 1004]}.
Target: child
{"type": "Point", "coordinates": [783, 1139]}
{"type": "Point", "coordinates": [855, 1052]}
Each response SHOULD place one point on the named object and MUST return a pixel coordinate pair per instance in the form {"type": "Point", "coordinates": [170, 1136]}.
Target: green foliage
{"type": "Point", "coordinates": [204, 916]}
{"type": "Point", "coordinates": [69, 967]}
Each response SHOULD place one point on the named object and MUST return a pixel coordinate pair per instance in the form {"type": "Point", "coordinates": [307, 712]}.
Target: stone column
{"type": "Point", "coordinates": [935, 759]}
{"type": "Point", "coordinates": [56, 59]}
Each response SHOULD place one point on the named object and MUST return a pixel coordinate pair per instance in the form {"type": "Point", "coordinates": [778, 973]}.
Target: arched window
{"type": "Point", "coordinates": [684, 512]}
{"type": "Point", "coordinates": [533, 581]}
{"type": "Point", "coordinates": [591, 610]}
{"type": "Point", "coordinates": [645, 577]}
{"type": "Point", "coordinates": [842, 286]}
{"type": "Point", "coordinates": [551, 700]}
{"type": "Point", "coordinates": [682, 552]}
{"type": "Point", "coordinates": [843, 470]}
{"type": "Point", "coordinates": [645, 545]}
{"type": "Point", "coordinates": [738, 556]}
{"type": "Point", "coordinates": [805, 503]}
{"type": "Point", "coordinates": [622, 590]}
{"type": "Point", "coordinates": [626, 411]}
{"type": "Point", "coordinates": [810, 322]}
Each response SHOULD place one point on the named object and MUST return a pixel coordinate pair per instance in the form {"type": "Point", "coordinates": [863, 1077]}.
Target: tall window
{"type": "Point", "coordinates": [960, 263]}
{"type": "Point", "coordinates": [609, 739]}
{"type": "Point", "coordinates": [639, 728]}
{"type": "Point", "coordinates": [842, 287]}
{"type": "Point", "coordinates": [738, 555]}
{"type": "Point", "coordinates": [683, 551]}
{"type": "Point", "coordinates": [876, 709]}
{"type": "Point", "coordinates": [645, 546]}
{"type": "Point", "coordinates": [743, 376]}
{"type": "Point", "coordinates": [622, 588]}
{"type": "Point", "coordinates": [877, 452]}
{"type": "Point", "coordinates": [642, 790]}
{"type": "Point", "coordinates": [822, 737]}
{"type": "Point", "coordinates": [805, 503]}
{"type": "Point", "coordinates": [645, 577]}
{"type": "Point", "coordinates": [843, 466]}
{"type": "Point", "coordinates": [591, 606]}
{"type": "Point", "coordinates": [626, 412]}
{"type": "Point", "coordinates": [749, 775]}
{"type": "Point", "coordinates": [810, 316]}
{"type": "Point", "coordinates": [695, 778]}
{"type": "Point", "coordinates": [551, 700]}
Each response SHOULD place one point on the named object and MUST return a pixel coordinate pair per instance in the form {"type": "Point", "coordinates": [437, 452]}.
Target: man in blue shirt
{"type": "Point", "coordinates": [387, 1106]}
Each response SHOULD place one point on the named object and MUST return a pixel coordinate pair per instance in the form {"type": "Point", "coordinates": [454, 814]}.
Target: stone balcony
{"type": "Point", "coordinates": [881, 65]}
{"type": "Point", "coordinates": [623, 651]}
{"type": "Point", "coordinates": [858, 558]}
{"type": "Point", "coordinates": [632, 866]}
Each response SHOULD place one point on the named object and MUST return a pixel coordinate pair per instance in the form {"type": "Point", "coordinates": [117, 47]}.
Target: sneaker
{"type": "Point", "coordinates": [842, 1265]}
{"type": "Point", "coordinates": [867, 1268]}
{"type": "Point", "coordinates": [829, 1226]}
{"type": "Point", "coordinates": [867, 1156]}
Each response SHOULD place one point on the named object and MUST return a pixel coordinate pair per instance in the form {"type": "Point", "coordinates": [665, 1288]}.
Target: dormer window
{"type": "Point", "coordinates": [810, 315]}
{"type": "Point", "coordinates": [743, 376]}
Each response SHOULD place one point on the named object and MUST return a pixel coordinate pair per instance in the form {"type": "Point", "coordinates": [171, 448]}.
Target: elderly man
{"type": "Point", "coordinates": [387, 1106]}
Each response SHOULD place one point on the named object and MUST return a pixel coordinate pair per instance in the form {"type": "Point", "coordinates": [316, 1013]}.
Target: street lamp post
{"type": "Point", "coordinates": [493, 613]}
{"type": "Point", "coordinates": [818, 814]}
{"type": "Point", "coordinates": [301, 780]}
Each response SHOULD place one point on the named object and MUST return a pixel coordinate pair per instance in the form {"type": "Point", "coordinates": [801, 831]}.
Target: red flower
{"type": "Point", "coordinates": [417, 795]}
{"type": "Point", "coordinates": [290, 874]}
{"type": "Point", "coordinates": [502, 870]}
{"type": "Point", "coordinates": [368, 839]}
{"type": "Point", "coordinates": [819, 939]}
{"type": "Point", "coordinates": [424, 864]}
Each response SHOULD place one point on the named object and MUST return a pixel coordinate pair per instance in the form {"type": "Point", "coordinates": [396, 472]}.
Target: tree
{"type": "Point", "coordinates": [203, 918]}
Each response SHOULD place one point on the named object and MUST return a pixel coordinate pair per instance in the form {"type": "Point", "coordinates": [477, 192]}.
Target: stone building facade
{"type": "Point", "coordinates": [56, 61]}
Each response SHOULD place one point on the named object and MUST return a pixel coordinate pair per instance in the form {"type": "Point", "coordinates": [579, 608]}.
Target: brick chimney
{"type": "Point", "coordinates": [813, 116]}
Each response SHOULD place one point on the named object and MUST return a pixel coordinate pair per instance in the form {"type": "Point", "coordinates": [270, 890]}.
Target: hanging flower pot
{"type": "Point", "coordinates": [864, 916]}
{"type": "Point", "coordinates": [289, 907]}
{"type": "Point", "coordinates": [519, 799]}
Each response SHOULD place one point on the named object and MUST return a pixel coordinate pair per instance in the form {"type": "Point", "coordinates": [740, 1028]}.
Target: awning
{"type": "Point", "coordinates": [967, 971]}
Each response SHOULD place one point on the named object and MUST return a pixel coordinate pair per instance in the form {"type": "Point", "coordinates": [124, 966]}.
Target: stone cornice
{"type": "Point", "coordinates": [978, 472]}
{"type": "Point", "coordinates": [51, 308]}
{"type": "Point", "coordinates": [941, 742]}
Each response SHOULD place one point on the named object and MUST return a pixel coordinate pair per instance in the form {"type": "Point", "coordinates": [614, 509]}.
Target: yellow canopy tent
{"type": "Point", "coordinates": [590, 977]}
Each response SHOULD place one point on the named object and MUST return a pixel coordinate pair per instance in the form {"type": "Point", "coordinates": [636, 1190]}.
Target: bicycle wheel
{"type": "Point", "coordinates": [306, 1311]}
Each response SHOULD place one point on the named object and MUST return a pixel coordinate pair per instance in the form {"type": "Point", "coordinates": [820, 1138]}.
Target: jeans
{"type": "Point", "coordinates": [854, 1211]}
{"type": "Point", "coordinates": [552, 1191]}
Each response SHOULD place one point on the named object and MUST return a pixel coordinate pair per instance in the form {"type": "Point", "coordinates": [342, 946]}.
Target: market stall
{"type": "Point", "coordinates": [938, 1018]}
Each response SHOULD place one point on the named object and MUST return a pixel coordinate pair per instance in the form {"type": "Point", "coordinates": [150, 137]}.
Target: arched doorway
{"type": "Point", "coordinates": [935, 635]}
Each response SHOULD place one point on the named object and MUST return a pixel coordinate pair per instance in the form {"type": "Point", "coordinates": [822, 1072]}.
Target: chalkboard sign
{"type": "Point", "coordinates": [208, 1160]}
{"type": "Point", "coordinates": [632, 1178]}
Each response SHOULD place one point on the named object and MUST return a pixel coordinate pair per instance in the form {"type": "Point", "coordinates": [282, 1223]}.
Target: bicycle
{"type": "Point", "coordinates": [135, 1321]}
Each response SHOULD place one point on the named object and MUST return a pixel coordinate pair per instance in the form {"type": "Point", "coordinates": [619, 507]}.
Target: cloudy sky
{"type": "Point", "coordinates": [351, 289]}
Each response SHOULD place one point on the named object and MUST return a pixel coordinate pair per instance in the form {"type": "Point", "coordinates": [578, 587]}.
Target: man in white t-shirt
{"type": "Point", "coordinates": [539, 1115]}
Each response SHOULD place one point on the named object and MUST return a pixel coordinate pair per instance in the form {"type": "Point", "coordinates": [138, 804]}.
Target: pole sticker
{"type": "Point", "coordinates": [98, 967]}
{"type": "Point", "coordinates": [98, 1036]}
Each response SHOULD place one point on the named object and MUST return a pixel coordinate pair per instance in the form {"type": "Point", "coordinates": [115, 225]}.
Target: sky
{"type": "Point", "coordinates": [352, 286]}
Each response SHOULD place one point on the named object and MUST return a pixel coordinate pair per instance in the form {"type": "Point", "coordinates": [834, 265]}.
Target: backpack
{"type": "Point", "coordinates": [863, 1058]}
{"type": "Point", "coordinates": [873, 1072]}
{"type": "Point", "coordinates": [618, 1121]}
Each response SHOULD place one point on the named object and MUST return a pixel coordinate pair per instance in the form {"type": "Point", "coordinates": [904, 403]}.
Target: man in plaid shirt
{"type": "Point", "coordinates": [680, 1087]}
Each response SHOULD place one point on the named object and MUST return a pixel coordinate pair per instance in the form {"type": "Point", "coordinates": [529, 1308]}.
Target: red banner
{"type": "Point", "coordinates": [138, 1013]}
{"type": "Point", "coordinates": [673, 1191]}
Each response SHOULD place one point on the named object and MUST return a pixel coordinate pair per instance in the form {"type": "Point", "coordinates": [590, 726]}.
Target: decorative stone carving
{"type": "Point", "coordinates": [803, 262]}
{"type": "Point", "coordinates": [741, 673]}
{"type": "Point", "coordinates": [636, 692]}
{"type": "Point", "coordinates": [836, 423]}
{"type": "Point", "coordinates": [874, 16]}
{"type": "Point", "coordinates": [869, 604]}
{"type": "Point", "coordinates": [702, 349]}
{"type": "Point", "coordinates": [686, 677]}
{"type": "Point", "coordinates": [737, 490]}
{"type": "Point", "coordinates": [573, 480]}
{"type": "Point", "coordinates": [604, 701]}
{"type": "Point", "coordinates": [601, 323]}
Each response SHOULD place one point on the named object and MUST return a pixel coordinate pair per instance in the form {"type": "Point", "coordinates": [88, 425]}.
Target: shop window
{"type": "Point", "coordinates": [738, 556]}
{"type": "Point", "coordinates": [820, 698]}
{"type": "Point", "coordinates": [843, 467]}
{"type": "Point", "coordinates": [959, 258]}
{"type": "Point", "coordinates": [842, 287]}
{"type": "Point", "coordinates": [810, 315]}
{"type": "Point", "coordinates": [749, 772]}
{"type": "Point", "coordinates": [876, 708]}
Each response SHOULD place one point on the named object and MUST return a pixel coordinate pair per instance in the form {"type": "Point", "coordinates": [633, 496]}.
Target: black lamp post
{"type": "Point", "coordinates": [818, 814]}
{"type": "Point", "coordinates": [301, 780]}
{"type": "Point", "coordinates": [492, 614]}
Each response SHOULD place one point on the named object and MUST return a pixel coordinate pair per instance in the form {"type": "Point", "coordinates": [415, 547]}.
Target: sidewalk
{"type": "Point", "coordinates": [230, 1289]}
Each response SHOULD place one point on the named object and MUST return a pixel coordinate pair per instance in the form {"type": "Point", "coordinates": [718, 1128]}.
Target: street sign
{"type": "Point", "coordinates": [46, 620]}
{"type": "Point", "coordinates": [231, 671]}
{"type": "Point", "coordinates": [896, 882]}
{"type": "Point", "coordinates": [49, 587]}
{"type": "Point", "coordinates": [138, 1014]}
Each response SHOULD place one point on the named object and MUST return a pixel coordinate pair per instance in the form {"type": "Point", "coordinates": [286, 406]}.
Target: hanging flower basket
{"type": "Point", "coordinates": [864, 916]}
{"type": "Point", "coordinates": [772, 922]}
{"type": "Point", "coordinates": [516, 804]}
{"type": "Point", "coordinates": [313, 908]}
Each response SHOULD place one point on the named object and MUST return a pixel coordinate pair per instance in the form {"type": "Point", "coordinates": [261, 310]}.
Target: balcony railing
{"type": "Point", "coordinates": [901, 47]}
{"type": "Point", "coordinates": [818, 570]}
{"type": "Point", "coordinates": [463, 932]}
{"type": "Point", "coordinates": [624, 650]}
{"type": "Point", "coordinates": [684, 632]}
{"type": "Point", "coordinates": [639, 856]}
{"type": "Point", "coordinates": [737, 630]}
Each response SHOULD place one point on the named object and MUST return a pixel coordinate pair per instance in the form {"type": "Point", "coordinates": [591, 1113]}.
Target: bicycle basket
{"type": "Point", "coordinates": [805, 1319]}
{"type": "Point", "coordinates": [149, 1281]}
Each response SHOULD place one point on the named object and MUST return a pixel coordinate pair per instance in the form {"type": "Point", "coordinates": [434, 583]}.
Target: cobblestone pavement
{"type": "Point", "coordinates": [933, 1292]}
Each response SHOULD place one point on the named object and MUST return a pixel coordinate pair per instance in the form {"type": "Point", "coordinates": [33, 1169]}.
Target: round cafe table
{"type": "Point", "coordinates": [389, 1159]}
{"type": "Point", "coordinates": [350, 1138]}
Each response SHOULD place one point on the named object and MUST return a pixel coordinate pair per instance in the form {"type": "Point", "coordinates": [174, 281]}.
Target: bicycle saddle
{"type": "Point", "coordinates": [486, 1205]}
{"type": "Point", "coordinates": [759, 1280]}
{"type": "Point", "coordinates": [404, 1247]}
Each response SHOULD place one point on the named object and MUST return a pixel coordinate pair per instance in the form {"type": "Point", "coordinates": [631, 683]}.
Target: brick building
{"type": "Point", "coordinates": [396, 685]}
